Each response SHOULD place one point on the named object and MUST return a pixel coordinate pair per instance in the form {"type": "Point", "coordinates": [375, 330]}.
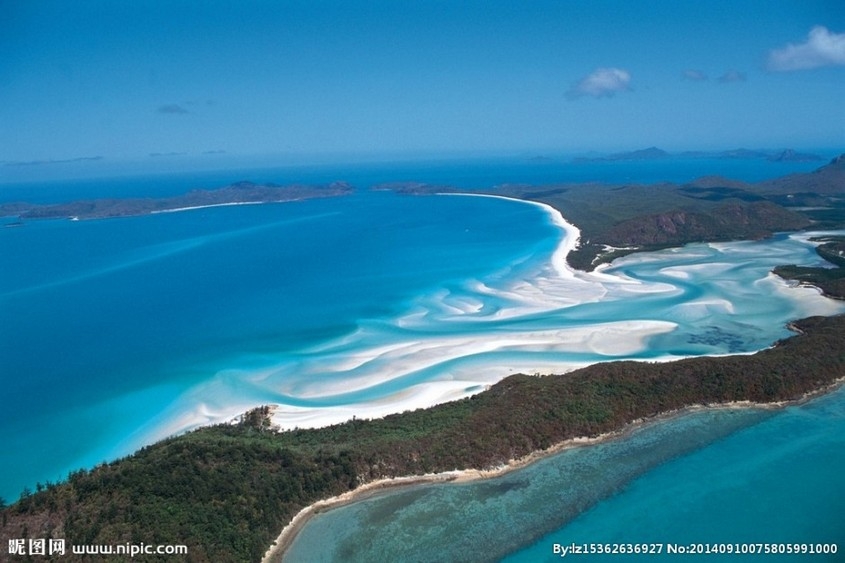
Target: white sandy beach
{"type": "Point", "coordinates": [193, 207]}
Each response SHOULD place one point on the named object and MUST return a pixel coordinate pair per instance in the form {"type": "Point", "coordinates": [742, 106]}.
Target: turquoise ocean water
{"type": "Point", "coordinates": [742, 476]}
{"type": "Point", "coordinates": [118, 332]}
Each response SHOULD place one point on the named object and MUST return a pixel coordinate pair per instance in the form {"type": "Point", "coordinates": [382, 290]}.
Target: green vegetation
{"type": "Point", "coordinates": [830, 280]}
{"type": "Point", "coordinates": [226, 491]}
{"type": "Point", "coordinates": [632, 218]}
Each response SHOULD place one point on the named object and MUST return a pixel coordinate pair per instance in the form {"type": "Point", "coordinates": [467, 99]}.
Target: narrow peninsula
{"type": "Point", "coordinates": [239, 193]}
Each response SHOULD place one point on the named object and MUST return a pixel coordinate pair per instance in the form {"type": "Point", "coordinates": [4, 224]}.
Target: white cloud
{"type": "Point", "coordinates": [172, 109]}
{"type": "Point", "coordinates": [732, 76]}
{"type": "Point", "coordinates": [694, 75]}
{"type": "Point", "coordinates": [601, 82]}
{"type": "Point", "coordinates": [822, 48]}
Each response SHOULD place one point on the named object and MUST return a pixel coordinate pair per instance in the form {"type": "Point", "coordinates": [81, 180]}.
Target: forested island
{"type": "Point", "coordinates": [243, 192]}
{"type": "Point", "coordinates": [226, 491]}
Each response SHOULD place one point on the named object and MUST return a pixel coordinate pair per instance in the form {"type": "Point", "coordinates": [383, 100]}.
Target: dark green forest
{"type": "Point", "coordinates": [830, 280]}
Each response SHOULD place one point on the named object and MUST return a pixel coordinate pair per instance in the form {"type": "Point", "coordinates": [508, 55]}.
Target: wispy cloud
{"type": "Point", "coordinates": [694, 75]}
{"type": "Point", "coordinates": [43, 162]}
{"type": "Point", "coordinates": [602, 82]}
{"type": "Point", "coordinates": [172, 109]}
{"type": "Point", "coordinates": [822, 48]}
{"type": "Point", "coordinates": [208, 102]}
{"type": "Point", "coordinates": [732, 76]}
{"type": "Point", "coordinates": [160, 154]}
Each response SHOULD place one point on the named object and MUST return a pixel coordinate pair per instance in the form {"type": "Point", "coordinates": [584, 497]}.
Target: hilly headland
{"type": "Point", "coordinates": [616, 220]}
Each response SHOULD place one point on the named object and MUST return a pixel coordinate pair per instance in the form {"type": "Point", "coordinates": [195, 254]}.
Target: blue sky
{"type": "Point", "coordinates": [126, 80]}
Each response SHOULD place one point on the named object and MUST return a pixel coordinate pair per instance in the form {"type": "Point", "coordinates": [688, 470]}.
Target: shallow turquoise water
{"type": "Point", "coordinates": [779, 481]}
{"type": "Point", "coordinates": [717, 476]}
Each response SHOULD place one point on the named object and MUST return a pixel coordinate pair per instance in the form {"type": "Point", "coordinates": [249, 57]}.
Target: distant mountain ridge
{"type": "Point", "coordinates": [654, 153]}
{"type": "Point", "coordinates": [651, 153]}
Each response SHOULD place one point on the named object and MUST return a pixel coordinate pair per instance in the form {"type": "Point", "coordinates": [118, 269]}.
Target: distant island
{"type": "Point", "coordinates": [654, 153]}
{"type": "Point", "coordinates": [234, 194]}
{"type": "Point", "coordinates": [651, 153]}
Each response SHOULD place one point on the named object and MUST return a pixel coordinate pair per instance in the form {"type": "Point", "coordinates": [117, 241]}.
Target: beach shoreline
{"type": "Point", "coordinates": [207, 206]}
{"type": "Point", "coordinates": [570, 241]}
{"type": "Point", "coordinates": [289, 533]}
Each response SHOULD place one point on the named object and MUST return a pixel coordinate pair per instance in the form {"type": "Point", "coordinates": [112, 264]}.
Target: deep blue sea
{"type": "Point", "coordinates": [119, 332]}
